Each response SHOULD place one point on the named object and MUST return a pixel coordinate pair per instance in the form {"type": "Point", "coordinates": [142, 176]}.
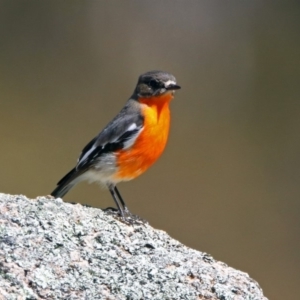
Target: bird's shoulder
{"type": "Point", "coordinates": [119, 134]}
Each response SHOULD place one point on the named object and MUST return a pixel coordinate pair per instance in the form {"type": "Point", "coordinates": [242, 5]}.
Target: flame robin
{"type": "Point", "coordinates": [131, 142]}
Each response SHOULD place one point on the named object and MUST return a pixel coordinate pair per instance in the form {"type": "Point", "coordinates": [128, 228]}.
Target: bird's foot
{"type": "Point", "coordinates": [126, 216]}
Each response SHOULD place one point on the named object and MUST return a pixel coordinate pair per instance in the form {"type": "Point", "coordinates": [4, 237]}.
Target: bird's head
{"type": "Point", "coordinates": [155, 84]}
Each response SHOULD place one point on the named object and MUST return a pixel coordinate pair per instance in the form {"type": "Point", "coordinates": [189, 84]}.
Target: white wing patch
{"type": "Point", "coordinates": [132, 127]}
{"type": "Point", "coordinates": [131, 134]}
{"type": "Point", "coordinates": [131, 141]}
{"type": "Point", "coordinates": [86, 155]}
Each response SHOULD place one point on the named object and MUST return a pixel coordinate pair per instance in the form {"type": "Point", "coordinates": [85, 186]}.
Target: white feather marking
{"type": "Point", "coordinates": [132, 127]}
{"type": "Point", "coordinates": [169, 82]}
{"type": "Point", "coordinates": [130, 142]}
{"type": "Point", "coordinates": [86, 154]}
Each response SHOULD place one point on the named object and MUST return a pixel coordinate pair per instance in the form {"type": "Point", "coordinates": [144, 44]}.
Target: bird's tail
{"type": "Point", "coordinates": [66, 183]}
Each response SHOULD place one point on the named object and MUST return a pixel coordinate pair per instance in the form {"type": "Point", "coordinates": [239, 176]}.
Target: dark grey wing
{"type": "Point", "coordinates": [119, 134]}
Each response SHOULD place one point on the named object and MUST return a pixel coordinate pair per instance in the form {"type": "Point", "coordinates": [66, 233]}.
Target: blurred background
{"type": "Point", "coordinates": [228, 182]}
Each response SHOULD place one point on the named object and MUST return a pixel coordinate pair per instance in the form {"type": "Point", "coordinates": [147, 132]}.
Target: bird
{"type": "Point", "coordinates": [130, 143]}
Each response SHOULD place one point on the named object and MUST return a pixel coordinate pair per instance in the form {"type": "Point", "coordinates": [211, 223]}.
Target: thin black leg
{"type": "Point", "coordinates": [115, 196]}
{"type": "Point", "coordinates": [121, 200]}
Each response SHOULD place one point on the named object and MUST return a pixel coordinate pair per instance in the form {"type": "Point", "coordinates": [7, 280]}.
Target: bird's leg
{"type": "Point", "coordinates": [114, 194]}
{"type": "Point", "coordinates": [126, 215]}
{"type": "Point", "coordinates": [121, 200]}
{"type": "Point", "coordinates": [131, 219]}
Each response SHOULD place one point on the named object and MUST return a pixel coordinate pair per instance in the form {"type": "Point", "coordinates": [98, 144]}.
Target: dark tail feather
{"type": "Point", "coordinates": [66, 183]}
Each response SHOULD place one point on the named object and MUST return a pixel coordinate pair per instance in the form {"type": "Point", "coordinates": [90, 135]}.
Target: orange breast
{"type": "Point", "coordinates": [150, 143]}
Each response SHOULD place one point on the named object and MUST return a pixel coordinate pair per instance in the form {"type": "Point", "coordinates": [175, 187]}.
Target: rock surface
{"type": "Point", "coordinates": [55, 250]}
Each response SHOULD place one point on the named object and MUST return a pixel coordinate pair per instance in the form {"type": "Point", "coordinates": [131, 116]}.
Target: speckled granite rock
{"type": "Point", "coordinates": [54, 250]}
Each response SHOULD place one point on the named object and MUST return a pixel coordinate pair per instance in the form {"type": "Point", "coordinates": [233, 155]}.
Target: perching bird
{"type": "Point", "coordinates": [131, 142]}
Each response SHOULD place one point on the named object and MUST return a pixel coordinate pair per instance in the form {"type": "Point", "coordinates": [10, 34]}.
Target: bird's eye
{"type": "Point", "coordinates": [154, 84]}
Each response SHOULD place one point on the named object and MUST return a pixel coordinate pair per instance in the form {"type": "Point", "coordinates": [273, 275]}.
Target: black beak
{"type": "Point", "coordinates": [173, 87]}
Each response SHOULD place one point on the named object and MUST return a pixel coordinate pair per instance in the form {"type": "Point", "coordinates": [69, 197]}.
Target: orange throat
{"type": "Point", "coordinates": [152, 140]}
